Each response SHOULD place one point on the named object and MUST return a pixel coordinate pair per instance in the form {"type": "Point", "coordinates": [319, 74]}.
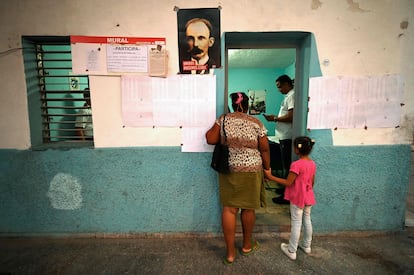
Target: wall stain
{"type": "Point", "coordinates": [354, 7]}
{"type": "Point", "coordinates": [355, 206]}
{"type": "Point", "coordinates": [316, 4]}
{"type": "Point", "coordinates": [404, 25]}
{"type": "Point", "coordinates": [65, 192]}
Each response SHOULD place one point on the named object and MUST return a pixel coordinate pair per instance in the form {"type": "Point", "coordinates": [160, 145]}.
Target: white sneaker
{"type": "Point", "coordinates": [285, 249]}
{"type": "Point", "coordinates": [307, 250]}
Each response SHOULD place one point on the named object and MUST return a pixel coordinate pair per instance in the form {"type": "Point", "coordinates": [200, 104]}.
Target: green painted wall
{"type": "Point", "coordinates": [137, 190]}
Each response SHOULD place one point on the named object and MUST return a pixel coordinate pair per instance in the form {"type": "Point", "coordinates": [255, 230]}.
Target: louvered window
{"type": "Point", "coordinates": [64, 97]}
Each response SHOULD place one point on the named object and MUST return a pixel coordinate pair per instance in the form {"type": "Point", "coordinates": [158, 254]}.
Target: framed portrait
{"type": "Point", "coordinates": [199, 40]}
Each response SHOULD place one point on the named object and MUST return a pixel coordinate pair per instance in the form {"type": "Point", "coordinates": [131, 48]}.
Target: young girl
{"type": "Point", "coordinates": [299, 191]}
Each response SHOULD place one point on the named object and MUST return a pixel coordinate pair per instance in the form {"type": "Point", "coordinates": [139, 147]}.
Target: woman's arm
{"type": "Point", "coordinates": [213, 135]}
{"type": "Point", "coordinates": [264, 152]}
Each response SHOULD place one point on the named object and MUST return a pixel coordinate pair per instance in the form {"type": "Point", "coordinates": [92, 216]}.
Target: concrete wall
{"type": "Point", "coordinates": [125, 190]}
{"type": "Point", "coordinates": [159, 189]}
{"type": "Point", "coordinates": [141, 190]}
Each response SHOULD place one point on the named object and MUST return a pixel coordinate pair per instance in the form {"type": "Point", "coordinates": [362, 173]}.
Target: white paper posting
{"type": "Point", "coordinates": [127, 58]}
{"type": "Point", "coordinates": [188, 102]}
{"type": "Point", "coordinates": [355, 102]}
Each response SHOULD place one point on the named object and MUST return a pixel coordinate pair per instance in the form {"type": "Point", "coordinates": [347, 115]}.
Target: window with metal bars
{"type": "Point", "coordinates": [64, 112]}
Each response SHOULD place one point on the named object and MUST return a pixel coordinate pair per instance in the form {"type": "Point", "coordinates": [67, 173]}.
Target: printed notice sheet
{"type": "Point", "coordinates": [99, 55]}
{"type": "Point", "coordinates": [184, 101]}
{"type": "Point", "coordinates": [355, 102]}
{"type": "Point", "coordinates": [158, 61]}
{"type": "Point", "coordinates": [127, 58]}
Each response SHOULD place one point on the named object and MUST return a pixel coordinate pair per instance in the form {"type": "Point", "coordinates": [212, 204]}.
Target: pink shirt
{"type": "Point", "coordinates": [300, 193]}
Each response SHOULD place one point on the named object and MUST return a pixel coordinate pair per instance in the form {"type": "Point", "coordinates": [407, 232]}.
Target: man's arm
{"type": "Point", "coordinates": [286, 118]}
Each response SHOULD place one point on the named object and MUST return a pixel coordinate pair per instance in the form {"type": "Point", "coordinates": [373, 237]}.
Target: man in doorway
{"type": "Point", "coordinates": [199, 40]}
{"type": "Point", "coordinates": [281, 144]}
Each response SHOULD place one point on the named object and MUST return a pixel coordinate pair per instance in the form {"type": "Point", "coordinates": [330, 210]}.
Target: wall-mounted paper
{"type": "Point", "coordinates": [158, 61]}
{"type": "Point", "coordinates": [183, 100]}
{"type": "Point", "coordinates": [99, 55]}
{"type": "Point", "coordinates": [186, 101]}
{"type": "Point", "coordinates": [355, 102]}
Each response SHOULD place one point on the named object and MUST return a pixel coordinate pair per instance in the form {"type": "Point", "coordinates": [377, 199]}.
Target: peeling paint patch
{"type": "Point", "coordinates": [404, 25]}
{"type": "Point", "coordinates": [65, 192]}
{"type": "Point", "coordinates": [316, 4]}
{"type": "Point", "coordinates": [354, 7]}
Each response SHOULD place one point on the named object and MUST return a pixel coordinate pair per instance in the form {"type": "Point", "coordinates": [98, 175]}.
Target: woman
{"type": "Point", "coordinates": [241, 188]}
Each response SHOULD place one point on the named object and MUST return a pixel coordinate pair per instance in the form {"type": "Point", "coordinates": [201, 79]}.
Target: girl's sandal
{"type": "Point", "coordinates": [255, 246]}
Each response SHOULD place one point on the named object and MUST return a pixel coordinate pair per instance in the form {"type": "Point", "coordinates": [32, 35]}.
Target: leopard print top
{"type": "Point", "coordinates": [243, 133]}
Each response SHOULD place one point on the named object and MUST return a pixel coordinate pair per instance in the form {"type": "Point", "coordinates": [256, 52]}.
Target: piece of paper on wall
{"type": "Point", "coordinates": [88, 58]}
{"type": "Point", "coordinates": [199, 97]}
{"type": "Point", "coordinates": [194, 139]}
{"type": "Point", "coordinates": [158, 61]}
{"type": "Point", "coordinates": [127, 58]}
{"type": "Point", "coordinates": [355, 102]}
{"type": "Point", "coordinates": [100, 55]}
{"type": "Point", "coordinates": [136, 101]}
{"type": "Point", "coordinates": [182, 101]}
{"type": "Point", "coordinates": [257, 102]}
{"type": "Point", "coordinates": [185, 101]}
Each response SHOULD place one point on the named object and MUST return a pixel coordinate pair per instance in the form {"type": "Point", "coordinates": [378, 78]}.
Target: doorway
{"type": "Point", "coordinates": [253, 61]}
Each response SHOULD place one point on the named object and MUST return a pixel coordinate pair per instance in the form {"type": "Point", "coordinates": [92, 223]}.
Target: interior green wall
{"type": "Point", "coordinates": [258, 79]}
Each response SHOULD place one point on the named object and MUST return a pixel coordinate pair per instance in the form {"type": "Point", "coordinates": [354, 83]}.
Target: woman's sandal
{"type": "Point", "coordinates": [255, 246]}
{"type": "Point", "coordinates": [227, 262]}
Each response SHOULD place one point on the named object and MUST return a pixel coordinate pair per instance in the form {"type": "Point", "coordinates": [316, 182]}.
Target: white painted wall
{"type": "Point", "coordinates": [366, 37]}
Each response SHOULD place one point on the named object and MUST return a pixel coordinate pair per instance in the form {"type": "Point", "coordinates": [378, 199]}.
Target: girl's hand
{"type": "Point", "coordinates": [267, 173]}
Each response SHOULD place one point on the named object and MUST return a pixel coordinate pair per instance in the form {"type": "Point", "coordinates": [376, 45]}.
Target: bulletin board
{"type": "Point", "coordinates": [99, 55]}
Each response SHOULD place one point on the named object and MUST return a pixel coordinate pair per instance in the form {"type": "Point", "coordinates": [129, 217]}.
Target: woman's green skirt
{"type": "Point", "coordinates": [243, 190]}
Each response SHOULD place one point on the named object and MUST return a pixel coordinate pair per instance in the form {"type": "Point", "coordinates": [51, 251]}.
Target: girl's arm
{"type": "Point", "coordinates": [287, 182]}
{"type": "Point", "coordinates": [313, 180]}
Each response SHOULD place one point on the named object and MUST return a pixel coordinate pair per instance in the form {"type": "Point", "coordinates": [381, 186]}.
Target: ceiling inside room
{"type": "Point", "coordinates": [261, 58]}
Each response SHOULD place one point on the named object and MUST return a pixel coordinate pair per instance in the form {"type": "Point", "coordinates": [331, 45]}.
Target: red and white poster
{"type": "Point", "coordinates": [112, 55]}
